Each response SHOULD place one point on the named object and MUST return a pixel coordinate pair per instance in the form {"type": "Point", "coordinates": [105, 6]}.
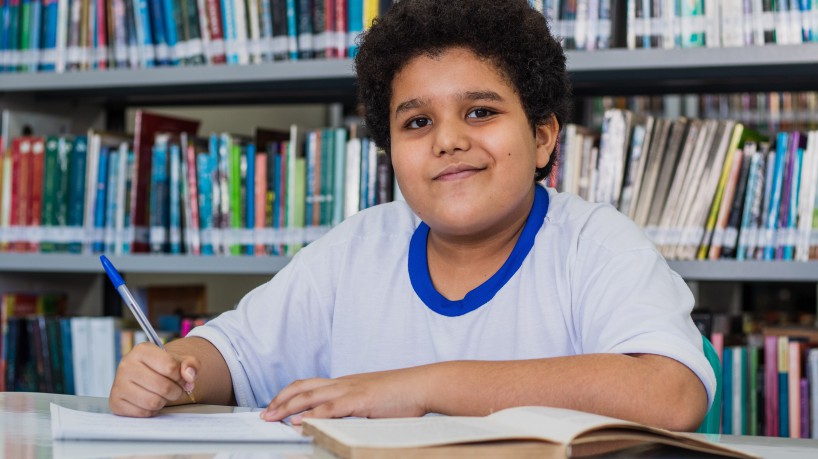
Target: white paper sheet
{"type": "Point", "coordinates": [67, 424]}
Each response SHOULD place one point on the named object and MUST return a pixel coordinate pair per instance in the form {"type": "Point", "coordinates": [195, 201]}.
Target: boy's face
{"type": "Point", "coordinates": [463, 150]}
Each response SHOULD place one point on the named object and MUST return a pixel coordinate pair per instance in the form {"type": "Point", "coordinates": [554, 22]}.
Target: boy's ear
{"type": "Point", "coordinates": [546, 139]}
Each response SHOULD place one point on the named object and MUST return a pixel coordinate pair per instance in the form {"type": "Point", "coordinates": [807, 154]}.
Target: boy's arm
{"type": "Point", "coordinates": [213, 384]}
{"type": "Point", "coordinates": [149, 378]}
{"type": "Point", "coordinates": [646, 388]}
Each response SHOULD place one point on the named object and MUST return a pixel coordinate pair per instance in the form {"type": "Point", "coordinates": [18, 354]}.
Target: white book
{"type": "Point", "coordinates": [352, 178]}
{"type": "Point", "coordinates": [255, 31]}
{"type": "Point", "coordinates": [81, 358]}
{"type": "Point", "coordinates": [119, 216]}
{"type": "Point", "coordinates": [805, 201]}
{"type": "Point", "coordinates": [675, 195]}
{"type": "Point", "coordinates": [812, 376]}
{"type": "Point", "coordinates": [91, 171]}
{"type": "Point", "coordinates": [240, 19]}
{"type": "Point", "coordinates": [104, 339]}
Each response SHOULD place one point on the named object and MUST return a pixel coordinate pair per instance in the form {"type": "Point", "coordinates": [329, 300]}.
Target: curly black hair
{"type": "Point", "coordinates": [509, 33]}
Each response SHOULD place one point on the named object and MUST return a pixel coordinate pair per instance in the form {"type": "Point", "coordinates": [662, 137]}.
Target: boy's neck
{"type": "Point", "coordinates": [459, 264]}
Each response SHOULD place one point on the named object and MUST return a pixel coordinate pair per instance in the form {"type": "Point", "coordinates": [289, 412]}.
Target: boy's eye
{"type": "Point", "coordinates": [480, 113]}
{"type": "Point", "coordinates": [418, 123]}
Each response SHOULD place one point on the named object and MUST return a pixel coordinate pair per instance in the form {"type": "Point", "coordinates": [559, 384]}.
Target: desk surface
{"type": "Point", "coordinates": [25, 423]}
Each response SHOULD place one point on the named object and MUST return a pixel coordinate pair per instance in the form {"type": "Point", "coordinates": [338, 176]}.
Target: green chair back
{"type": "Point", "coordinates": [712, 420]}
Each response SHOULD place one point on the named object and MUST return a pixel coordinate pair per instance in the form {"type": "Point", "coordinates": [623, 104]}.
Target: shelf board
{"type": "Point", "coordinates": [780, 67]}
{"type": "Point", "coordinates": [721, 270]}
{"type": "Point", "coordinates": [175, 264]}
{"type": "Point", "coordinates": [747, 271]}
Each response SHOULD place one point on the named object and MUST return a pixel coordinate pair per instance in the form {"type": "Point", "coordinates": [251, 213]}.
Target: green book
{"type": "Point", "coordinates": [235, 185]}
{"type": "Point", "coordinates": [52, 178]}
{"type": "Point", "coordinates": [65, 147]}
{"type": "Point", "coordinates": [299, 191]}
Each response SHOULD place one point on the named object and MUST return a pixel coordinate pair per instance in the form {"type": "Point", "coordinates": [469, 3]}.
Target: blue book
{"type": "Point", "coordinates": [327, 175]}
{"type": "Point", "coordinates": [364, 185]}
{"type": "Point", "coordinates": [250, 193]}
{"type": "Point", "coordinates": [76, 187]}
{"type": "Point", "coordinates": [229, 31]}
{"type": "Point", "coordinates": [775, 197]}
{"type": "Point", "coordinates": [171, 35]}
{"type": "Point", "coordinates": [792, 212]}
{"type": "Point", "coordinates": [205, 184]}
{"type": "Point", "coordinates": [98, 244]}
{"type": "Point", "coordinates": [49, 36]}
{"type": "Point", "coordinates": [129, 171]}
{"type": "Point", "coordinates": [111, 203]}
{"type": "Point", "coordinates": [746, 211]}
{"type": "Point", "coordinates": [67, 355]}
{"type": "Point", "coordinates": [355, 24]}
{"type": "Point", "coordinates": [174, 211]}
{"type": "Point", "coordinates": [157, 25]}
{"type": "Point", "coordinates": [144, 35]}
{"type": "Point", "coordinates": [34, 37]}
{"type": "Point", "coordinates": [267, 30]}
{"type": "Point", "coordinates": [727, 393]}
{"type": "Point", "coordinates": [292, 30]}
{"type": "Point", "coordinates": [5, 33]}
{"type": "Point", "coordinates": [783, 405]}
{"type": "Point", "coordinates": [158, 215]}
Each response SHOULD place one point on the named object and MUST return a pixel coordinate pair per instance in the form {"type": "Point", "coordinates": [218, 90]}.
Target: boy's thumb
{"type": "Point", "coordinates": [189, 370]}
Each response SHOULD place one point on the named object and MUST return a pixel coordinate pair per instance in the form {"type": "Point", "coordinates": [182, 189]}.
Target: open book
{"type": "Point", "coordinates": [524, 432]}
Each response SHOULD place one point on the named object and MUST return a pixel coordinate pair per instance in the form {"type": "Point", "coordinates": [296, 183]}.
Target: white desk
{"type": "Point", "coordinates": [25, 423]}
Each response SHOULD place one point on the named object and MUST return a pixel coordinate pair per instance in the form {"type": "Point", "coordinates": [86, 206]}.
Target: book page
{"type": "Point", "coordinates": [67, 424]}
{"type": "Point", "coordinates": [413, 432]}
{"type": "Point", "coordinates": [553, 424]}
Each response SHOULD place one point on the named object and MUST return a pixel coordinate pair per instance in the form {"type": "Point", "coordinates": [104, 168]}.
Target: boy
{"type": "Point", "coordinates": [483, 290]}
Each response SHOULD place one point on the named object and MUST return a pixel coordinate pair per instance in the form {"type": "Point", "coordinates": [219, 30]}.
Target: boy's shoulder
{"type": "Point", "coordinates": [373, 226]}
{"type": "Point", "coordinates": [597, 223]}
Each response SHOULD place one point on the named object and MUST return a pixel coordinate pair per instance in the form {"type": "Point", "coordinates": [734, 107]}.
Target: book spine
{"type": "Point", "coordinates": [216, 46]}
{"type": "Point", "coordinates": [249, 187]}
{"type": "Point", "coordinates": [292, 30]}
{"type": "Point", "coordinates": [783, 387]}
{"type": "Point", "coordinates": [76, 188]}
{"type": "Point", "coordinates": [254, 26]}
{"type": "Point", "coordinates": [193, 191]}
{"type": "Point", "coordinates": [812, 376]}
{"type": "Point", "coordinates": [794, 369]}
{"type": "Point", "coordinates": [100, 206]}
{"type": "Point", "coordinates": [320, 32]}
{"type": "Point", "coordinates": [280, 34]}
{"type": "Point", "coordinates": [174, 209]}
{"type": "Point", "coordinates": [240, 22]}
{"type": "Point", "coordinates": [235, 188]}
{"type": "Point", "coordinates": [48, 57]}
{"type": "Point", "coordinates": [170, 17]}
{"type": "Point", "coordinates": [303, 24]}
{"type": "Point", "coordinates": [205, 187]}
{"type": "Point", "coordinates": [355, 22]}
{"type": "Point", "coordinates": [195, 28]}
{"type": "Point", "coordinates": [24, 192]}
{"type": "Point", "coordinates": [261, 188]}
{"type": "Point", "coordinates": [266, 24]}
{"type": "Point", "coordinates": [340, 35]}
{"type": "Point", "coordinates": [339, 171]}
{"type": "Point", "coordinates": [111, 203]}
{"type": "Point", "coordinates": [229, 30]}
{"type": "Point", "coordinates": [159, 211]}
{"type": "Point", "coordinates": [37, 176]}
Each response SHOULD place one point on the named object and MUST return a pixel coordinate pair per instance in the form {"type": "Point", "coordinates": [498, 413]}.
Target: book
{"type": "Point", "coordinates": [146, 126]}
{"type": "Point", "coordinates": [536, 431]}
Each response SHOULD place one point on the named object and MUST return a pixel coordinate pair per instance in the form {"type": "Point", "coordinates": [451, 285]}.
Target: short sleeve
{"type": "Point", "coordinates": [278, 333]}
{"type": "Point", "coordinates": [631, 302]}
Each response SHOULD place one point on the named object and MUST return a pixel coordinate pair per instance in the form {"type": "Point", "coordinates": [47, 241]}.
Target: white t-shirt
{"type": "Point", "coordinates": [586, 280]}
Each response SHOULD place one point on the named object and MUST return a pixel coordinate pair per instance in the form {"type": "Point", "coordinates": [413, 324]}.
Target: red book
{"type": "Point", "coordinates": [101, 58]}
{"type": "Point", "coordinates": [215, 31]}
{"type": "Point", "coordinates": [37, 171]}
{"type": "Point", "coordinates": [261, 193]}
{"type": "Point", "coordinates": [771, 385]}
{"type": "Point", "coordinates": [146, 127]}
{"type": "Point", "coordinates": [20, 189]}
{"type": "Point", "coordinates": [329, 27]}
{"type": "Point", "coordinates": [340, 28]}
{"type": "Point", "coordinates": [193, 191]}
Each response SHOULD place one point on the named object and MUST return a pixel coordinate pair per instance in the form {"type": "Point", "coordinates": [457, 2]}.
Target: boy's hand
{"type": "Point", "coordinates": [396, 393]}
{"type": "Point", "coordinates": [149, 378]}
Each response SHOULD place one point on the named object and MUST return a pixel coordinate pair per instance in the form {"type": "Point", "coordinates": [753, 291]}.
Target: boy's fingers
{"type": "Point", "coordinates": [308, 400]}
{"type": "Point", "coordinates": [282, 405]}
{"type": "Point", "coordinates": [189, 369]}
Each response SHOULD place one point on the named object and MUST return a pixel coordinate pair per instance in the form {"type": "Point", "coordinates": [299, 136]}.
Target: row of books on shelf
{"type": "Point", "coordinates": [67, 35]}
{"type": "Point", "coordinates": [761, 111]}
{"type": "Point", "coordinates": [165, 190]}
{"type": "Point", "coordinates": [701, 189]}
{"type": "Point", "coordinates": [601, 24]}
{"type": "Point", "coordinates": [770, 383]}
{"type": "Point", "coordinates": [45, 351]}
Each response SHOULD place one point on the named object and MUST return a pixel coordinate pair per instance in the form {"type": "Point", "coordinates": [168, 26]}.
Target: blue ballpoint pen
{"type": "Point", "coordinates": [129, 300]}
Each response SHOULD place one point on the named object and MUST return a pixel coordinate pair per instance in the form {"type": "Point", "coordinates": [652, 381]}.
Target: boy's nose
{"type": "Point", "coordinates": [450, 137]}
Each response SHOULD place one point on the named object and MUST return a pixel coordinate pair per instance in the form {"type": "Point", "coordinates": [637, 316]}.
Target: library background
{"type": "Point", "coordinates": [200, 143]}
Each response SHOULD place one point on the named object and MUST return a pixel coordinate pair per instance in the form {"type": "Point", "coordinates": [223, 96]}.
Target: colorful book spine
{"type": "Point", "coordinates": [229, 30]}
{"type": "Point", "coordinates": [292, 30]}
{"type": "Point", "coordinates": [98, 245]}
{"type": "Point", "coordinates": [111, 202]}
{"type": "Point", "coordinates": [144, 36]}
{"type": "Point", "coordinates": [159, 211]}
{"type": "Point", "coordinates": [355, 23]}
{"type": "Point", "coordinates": [170, 16]}
{"type": "Point", "coordinates": [192, 235]}
{"type": "Point", "coordinates": [76, 188]}
{"type": "Point", "coordinates": [775, 197]}
{"type": "Point", "coordinates": [159, 33]}
{"type": "Point", "coordinates": [783, 387]}
{"type": "Point", "coordinates": [260, 208]}
{"type": "Point", "coordinates": [174, 211]}
{"type": "Point", "coordinates": [215, 31]}
{"type": "Point", "coordinates": [794, 370]}
{"type": "Point", "coordinates": [250, 192]}
{"type": "Point", "coordinates": [37, 175]}
{"type": "Point", "coordinates": [205, 187]}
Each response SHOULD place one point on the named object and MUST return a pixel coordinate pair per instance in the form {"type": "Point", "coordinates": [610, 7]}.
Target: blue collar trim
{"type": "Point", "coordinates": [482, 294]}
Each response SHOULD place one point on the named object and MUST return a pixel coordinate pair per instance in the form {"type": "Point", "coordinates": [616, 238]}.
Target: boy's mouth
{"type": "Point", "coordinates": [457, 172]}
